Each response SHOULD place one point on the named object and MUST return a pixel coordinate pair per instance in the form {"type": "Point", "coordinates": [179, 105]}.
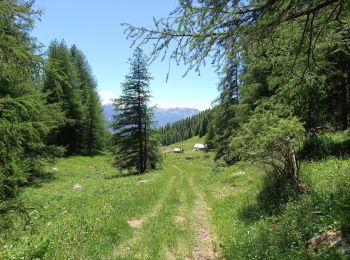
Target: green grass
{"type": "Point", "coordinates": [251, 215]}
{"type": "Point", "coordinates": [52, 220]}
{"type": "Point", "coordinates": [63, 222]}
{"type": "Point", "coordinates": [254, 221]}
{"type": "Point", "coordinates": [187, 145]}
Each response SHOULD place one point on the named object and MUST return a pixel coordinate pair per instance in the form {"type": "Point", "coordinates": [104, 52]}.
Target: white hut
{"type": "Point", "coordinates": [199, 146]}
{"type": "Point", "coordinates": [178, 150]}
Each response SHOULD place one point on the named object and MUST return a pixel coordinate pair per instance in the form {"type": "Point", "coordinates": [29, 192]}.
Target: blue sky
{"type": "Point", "coordinates": [94, 26]}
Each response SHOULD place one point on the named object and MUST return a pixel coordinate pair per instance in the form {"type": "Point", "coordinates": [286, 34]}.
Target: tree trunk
{"type": "Point", "coordinates": [141, 152]}
{"type": "Point", "coordinates": [145, 147]}
{"type": "Point", "coordinates": [90, 135]}
{"type": "Point", "coordinates": [344, 105]}
{"type": "Point", "coordinates": [141, 159]}
{"type": "Point", "coordinates": [345, 97]}
{"type": "Point", "coordinates": [294, 162]}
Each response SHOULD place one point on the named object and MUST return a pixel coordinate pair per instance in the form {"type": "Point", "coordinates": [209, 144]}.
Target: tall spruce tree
{"type": "Point", "coordinates": [25, 118]}
{"type": "Point", "coordinates": [135, 146]}
{"type": "Point", "coordinates": [70, 83]}
{"type": "Point", "coordinates": [94, 128]}
{"type": "Point", "coordinates": [61, 85]}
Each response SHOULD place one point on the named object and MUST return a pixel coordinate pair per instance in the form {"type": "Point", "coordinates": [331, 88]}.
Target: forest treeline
{"type": "Point", "coordinates": [48, 100]}
{"type": "Point", "coordinates": [284, 69]}
{"type": "Point", "coordinates": [184, 129]}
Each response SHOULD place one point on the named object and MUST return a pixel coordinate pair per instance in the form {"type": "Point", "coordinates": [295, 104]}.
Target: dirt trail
{"type": "Point", "coordinates": [123, 248]}
{"type": "Point", "coordinates": [204, 241]}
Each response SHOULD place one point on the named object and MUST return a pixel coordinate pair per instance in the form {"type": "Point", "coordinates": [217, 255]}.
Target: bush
{"type": "Point", "coordinates": [272, 139]}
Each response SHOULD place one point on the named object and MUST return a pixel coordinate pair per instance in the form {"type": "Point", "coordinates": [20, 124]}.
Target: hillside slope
{"type": "Point", "coordinates": [191, 208]}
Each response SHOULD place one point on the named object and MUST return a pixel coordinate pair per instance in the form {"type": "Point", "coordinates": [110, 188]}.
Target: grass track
{"type": "Point", "coordinates": [178, 206]}
{"type": "Point", "coordinates": [92, 222]}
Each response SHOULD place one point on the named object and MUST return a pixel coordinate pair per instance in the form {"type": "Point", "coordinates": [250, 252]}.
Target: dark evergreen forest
{"type": "Point", "coordinates": [49, 104]}
{"type": "Point", "coordinates": [185, 129]}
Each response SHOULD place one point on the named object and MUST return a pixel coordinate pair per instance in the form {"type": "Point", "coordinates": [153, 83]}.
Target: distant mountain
{"type": "Point", "coordinates": [108, 112]}
{"type": "Point", "coordinates": [162, 116]}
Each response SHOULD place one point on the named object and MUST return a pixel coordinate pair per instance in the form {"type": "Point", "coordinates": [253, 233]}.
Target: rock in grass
{"type": "Point", "coordinates": [77, 186]}
{"type": "Point", "coordinates": [55, 169]}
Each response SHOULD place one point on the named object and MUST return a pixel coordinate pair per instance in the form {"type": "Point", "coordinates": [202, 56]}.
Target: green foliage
{"type": "Point", "coordinates": [258, 215]}
{"type": "Point", "coordinates": [272, 139]}
{"type": "Point", "coordinates": [69, 83]}
{"type": "Point", "coordinates": [185, 129]}
{"type": "Point", "coordinates": [25, 123]}
{"type": "Point", "coordinates": [26, 119]}
{"type": "Point", "coordinates": [94, 130]}
{"type": "Point", "coordinates": [94, 125]}
{"type": "Point", "coordinates": [18, 51]}
{"type": "Point", "coordinates": [220, 29]}
{"type": "Point", "coordinates": [293, 54]}
{"type": "Point", "coordinates": [61, 85]}
{"type": "Point", "coordinates": [135, 147]}
{"type": "Point", "coordinates": [225, 119]}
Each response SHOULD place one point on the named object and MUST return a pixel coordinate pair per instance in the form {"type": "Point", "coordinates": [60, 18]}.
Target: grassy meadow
{"type": "Point", "coordinates": [240, 211]}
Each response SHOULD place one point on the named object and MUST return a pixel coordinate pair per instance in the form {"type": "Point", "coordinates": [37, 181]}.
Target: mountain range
{"type": "Point", "coordinates": [162, 116]}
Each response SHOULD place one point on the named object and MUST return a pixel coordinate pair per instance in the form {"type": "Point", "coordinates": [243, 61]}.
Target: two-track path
{"type": "Point", "coordinates": [204, 246]}
{"type": "Point", "coordinates": [177, 226]}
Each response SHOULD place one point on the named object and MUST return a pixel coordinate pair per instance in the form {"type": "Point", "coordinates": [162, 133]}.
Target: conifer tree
{"type": "Point", "coordinates": [94, 129]}
{"type": "Point", "coordinates": [135, 145]}
{"type": "Point", "coordinates": [61, 85]}
{"type": "Point", "coordinates": [25, 118]}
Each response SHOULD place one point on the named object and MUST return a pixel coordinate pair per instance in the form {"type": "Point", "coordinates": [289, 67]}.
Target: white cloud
{"type": "Point", "coordinates": [107, 97]}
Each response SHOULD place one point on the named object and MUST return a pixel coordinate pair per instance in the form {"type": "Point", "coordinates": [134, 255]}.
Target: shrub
{"type": "Point", "coordinates": [272, 139]}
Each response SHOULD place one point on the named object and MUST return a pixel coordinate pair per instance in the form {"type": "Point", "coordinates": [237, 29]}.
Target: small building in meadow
{"type": "Point", "coordinates": [178, 150]}
{"type": "Point", "coordinates": [199, 146]}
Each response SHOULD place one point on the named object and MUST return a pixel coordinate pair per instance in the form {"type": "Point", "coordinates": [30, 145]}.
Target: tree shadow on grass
{"type": "Point", "coordinates": [39, 178]}
{"type": "Point", "coordinates": [275, 193]}
{"type": "Point", "coordinates": [340, 203]}
{"type": "Point", "coordinates": [13, 214]}
{"type": "Point", "coordinates": [125, 174]}
{"type": "Point", "coordinates": [319, 147]}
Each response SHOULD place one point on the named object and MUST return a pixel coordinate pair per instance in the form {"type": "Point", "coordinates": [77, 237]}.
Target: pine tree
{"type": "Point", "coordinates": [94, 129]}
{"type": "Point", "coordinates": [61, 84]}
{"type": "Point", "coordinates": [135, 145]}
{"type": "Point", "coordinates": [25, 118]}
